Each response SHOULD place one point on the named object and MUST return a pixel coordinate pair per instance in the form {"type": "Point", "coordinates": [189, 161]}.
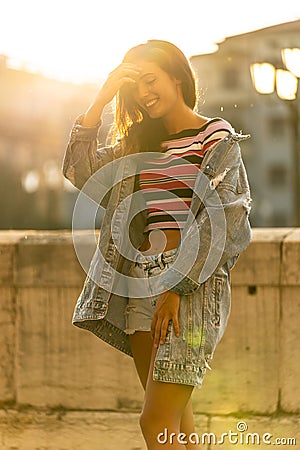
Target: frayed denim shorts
{"type": "Point", "coordinates": [143, 290]}
{"type": "Point", "coordinates": [202, 316]}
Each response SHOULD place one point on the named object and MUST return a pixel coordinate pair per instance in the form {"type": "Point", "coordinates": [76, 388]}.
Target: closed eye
{"type": "Point", "coordinates": [149, 82]}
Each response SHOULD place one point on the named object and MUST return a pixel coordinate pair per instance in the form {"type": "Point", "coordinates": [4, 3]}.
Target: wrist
{"type": "Point", "coordinates": [171, 295]}
{"type": "Point", "coordinates": [93, 116]}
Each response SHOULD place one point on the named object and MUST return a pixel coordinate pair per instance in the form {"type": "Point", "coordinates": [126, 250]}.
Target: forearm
{"type": "Point", "coordinates": [93, 115]}
{"type": "Point", "coordinates": [83, 157]}
{"type": "Point", "coordinates": [78, 158]}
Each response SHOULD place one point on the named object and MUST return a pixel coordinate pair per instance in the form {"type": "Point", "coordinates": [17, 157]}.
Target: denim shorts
{"type": "Point", "coordinates": [144, 290]}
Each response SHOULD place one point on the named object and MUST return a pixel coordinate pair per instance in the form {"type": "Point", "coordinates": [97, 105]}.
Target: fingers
{"type": "Point", "coordinates": [124, 73]}
{"type": "Point", "coordinates": [163, 332]}
{"type": "Point", "coordinates": [160, 326]}
{"type": "Point", "coordinates": [176, 325]}
{"type": "Point", "coordinates": [160, 332]}
{"type": "Point", "coordinates": [156, 330]}
{"type": "Point", "coordinates": [127, 67]}
{"type": "Point", "coordinates": [153, 325]}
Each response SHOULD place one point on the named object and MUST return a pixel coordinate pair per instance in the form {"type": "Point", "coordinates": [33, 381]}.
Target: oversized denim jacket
{"type": "Point", "coordinates": [205, 295]}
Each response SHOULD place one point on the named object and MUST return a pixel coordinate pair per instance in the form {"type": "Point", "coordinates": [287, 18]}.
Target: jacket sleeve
{"type": "Point", "coordinates": [83, 157]}
{"type": "Point", "coordinates": [219, 231]}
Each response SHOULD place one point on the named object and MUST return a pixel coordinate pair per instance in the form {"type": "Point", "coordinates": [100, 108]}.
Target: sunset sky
{"type": "Point", "coordinates": [84, 40]}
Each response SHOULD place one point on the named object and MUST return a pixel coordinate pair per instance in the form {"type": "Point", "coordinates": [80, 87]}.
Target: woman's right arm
{"type": "Point", "coordinates": [83, 157]}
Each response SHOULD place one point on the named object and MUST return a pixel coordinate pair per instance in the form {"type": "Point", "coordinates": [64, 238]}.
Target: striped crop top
{"type": "Point", "coordinates": [167, 181]}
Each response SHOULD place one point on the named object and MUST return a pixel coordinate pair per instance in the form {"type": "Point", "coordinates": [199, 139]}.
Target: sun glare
{"type": "Point", "coordinates": [83, 41]}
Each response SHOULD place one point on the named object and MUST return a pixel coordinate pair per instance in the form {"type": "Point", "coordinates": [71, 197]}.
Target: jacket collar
{"type": "Point", "coordinates": [215, 155]}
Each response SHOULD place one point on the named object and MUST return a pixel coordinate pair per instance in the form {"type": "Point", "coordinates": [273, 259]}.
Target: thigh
{"type": "Point", "coordinates": [141, 345]}
{"type": "Point", "coordinates": [166, 401]}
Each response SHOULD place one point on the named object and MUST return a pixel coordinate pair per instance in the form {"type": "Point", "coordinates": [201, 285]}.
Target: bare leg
{"type": "Point", "coordinates": [163, 408]}
{"type": "Point", "coordinates": [187, 424]}
{"type": "Point", "coordinates": [142, 344]}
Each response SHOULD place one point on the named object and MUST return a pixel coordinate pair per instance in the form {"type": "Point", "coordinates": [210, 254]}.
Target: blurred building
{"type": "Point", "coordinates": [36, 114]}
{"type": "Point", "coordinates": [225, 89]}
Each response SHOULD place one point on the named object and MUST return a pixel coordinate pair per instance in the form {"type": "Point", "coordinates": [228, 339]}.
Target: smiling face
{"type": "Point", "coordinates": [162, 95]}
{"type": "Point", "coordinates": [156, 92]}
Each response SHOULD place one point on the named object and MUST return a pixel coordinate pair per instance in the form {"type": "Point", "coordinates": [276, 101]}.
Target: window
{"type": "Point", "coordinates": [231, 78]}
{"type": "Point", "coordinates": [279, 219]}
{"type": "Point", "coordinates": [277, 126]}
{"type": "Point", "coordinates": [277, 176]}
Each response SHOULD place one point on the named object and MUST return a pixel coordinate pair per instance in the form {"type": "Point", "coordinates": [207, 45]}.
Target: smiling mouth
{"type": "Point", "coordinates": [151, 103]}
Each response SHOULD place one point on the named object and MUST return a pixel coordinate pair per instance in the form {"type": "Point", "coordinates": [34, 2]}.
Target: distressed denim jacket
{"type": "Point", "coordinates": [200, 273]}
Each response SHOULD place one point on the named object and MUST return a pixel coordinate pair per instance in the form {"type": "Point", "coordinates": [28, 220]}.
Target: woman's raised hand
{"type": "Point", "coordinates": [124, 73]}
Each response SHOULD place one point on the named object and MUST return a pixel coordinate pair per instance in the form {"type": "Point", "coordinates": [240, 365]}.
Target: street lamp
{"type": "Point", "coordinates": [266, 79]}
{"type": "Point", "coordinates": [291, 60]}
{"type": "Point", "coordinates": [263, 77]}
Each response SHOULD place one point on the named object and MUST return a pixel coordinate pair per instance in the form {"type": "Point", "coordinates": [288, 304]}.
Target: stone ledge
{"type": "Point", "coordinates": [290, 267]}
{"type": "Point", "coordinates": [69, 431]}
{"type": "Point", "coordinates": [260, 263]}
{"type": "Point", "coordinates": [100, 430]}
{"type": "Point", "coordinates": [45, 361]}
{"type": "Point", "coordinates": [48, 258]}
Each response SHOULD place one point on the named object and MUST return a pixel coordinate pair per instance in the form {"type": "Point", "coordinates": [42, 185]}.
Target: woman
{"type": "Point", "coordinates": [186, 238]}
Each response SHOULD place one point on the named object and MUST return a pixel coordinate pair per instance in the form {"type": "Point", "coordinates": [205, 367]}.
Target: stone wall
{"type": "Point", "coordinates": [61, 388]}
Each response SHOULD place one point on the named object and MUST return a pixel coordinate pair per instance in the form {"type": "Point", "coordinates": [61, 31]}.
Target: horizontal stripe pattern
{"type": "Point", "coordinates": [167, 180]}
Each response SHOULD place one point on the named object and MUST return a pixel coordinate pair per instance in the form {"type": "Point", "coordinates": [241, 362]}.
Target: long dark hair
{"type": "Point", "coordinates": [138, 131]}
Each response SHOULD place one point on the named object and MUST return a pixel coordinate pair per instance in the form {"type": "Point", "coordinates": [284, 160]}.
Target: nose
{"type": "Point", "coordinates": [142, 89]}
